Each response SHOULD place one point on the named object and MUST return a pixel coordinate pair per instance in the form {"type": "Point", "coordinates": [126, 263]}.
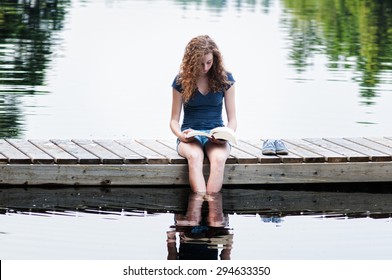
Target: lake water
{"type": "Point", "coordinates": [134, 223]}
{"type": "Point", "coordinates": [103, 69]}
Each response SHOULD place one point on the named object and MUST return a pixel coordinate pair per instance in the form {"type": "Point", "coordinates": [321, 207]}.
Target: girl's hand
{"type": "Point", "coordinates": [184, 136]}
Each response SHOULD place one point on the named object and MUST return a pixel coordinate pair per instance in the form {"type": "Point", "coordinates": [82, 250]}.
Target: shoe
{"type": "Point", "coordinates": [269, 147]}
{"type": "Point", "coordinates": [280, 148]}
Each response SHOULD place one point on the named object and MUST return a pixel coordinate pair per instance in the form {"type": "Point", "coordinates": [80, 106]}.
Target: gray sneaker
{"type": "Point", "coordinates": [280, 148]}
{"type": "Point", "coordinates": [269, 147]}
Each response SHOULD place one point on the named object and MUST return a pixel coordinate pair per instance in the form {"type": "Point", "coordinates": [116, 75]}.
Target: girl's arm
{"type": "Point", "coordinates": [231, 108]}
{"type": "Point", "coordinates": [175, 117]}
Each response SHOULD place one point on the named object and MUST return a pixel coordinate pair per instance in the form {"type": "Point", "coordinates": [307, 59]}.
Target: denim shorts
{"type": "Point", "coordinates": [203, 140]}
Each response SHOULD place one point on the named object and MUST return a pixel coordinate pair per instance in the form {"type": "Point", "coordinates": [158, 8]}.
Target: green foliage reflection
{"type": "Point", "coordinates": [27, 29]}
{"type": "Point", "coordinates": [354, 34]}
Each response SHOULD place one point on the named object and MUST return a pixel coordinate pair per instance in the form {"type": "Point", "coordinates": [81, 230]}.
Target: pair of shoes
{"type": "Point", "coordinates": [274, 147]}
{"type": "Point", "coordinates": [269, 147]}
{"type": "Point", "coordinates": [281, 148]}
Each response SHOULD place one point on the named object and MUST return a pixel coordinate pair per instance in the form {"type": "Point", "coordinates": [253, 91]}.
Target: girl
{"type": "Point", "coordinates": [200, 89]}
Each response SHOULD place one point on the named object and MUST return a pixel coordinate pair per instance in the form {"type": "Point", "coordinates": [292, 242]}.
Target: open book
{"type": "Point", "coordinates": [221, 133]}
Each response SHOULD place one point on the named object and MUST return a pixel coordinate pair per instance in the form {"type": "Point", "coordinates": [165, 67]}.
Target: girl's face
{"type": "Point", "coordinates": [206, 63]}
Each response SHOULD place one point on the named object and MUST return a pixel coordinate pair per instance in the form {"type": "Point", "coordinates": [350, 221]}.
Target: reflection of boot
{"type": "Point", "coordinates": [193, 214]}
{"type": "Point", "coordinates": [215, 212]}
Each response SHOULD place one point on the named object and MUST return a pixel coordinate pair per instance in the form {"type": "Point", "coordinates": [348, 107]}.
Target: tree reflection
{"type": "Point", "coordinates": [219, 5]}
{"type": "Point", "coordinates": [355, 35]}
{"type": "Point", "coordinates": [26, 39]}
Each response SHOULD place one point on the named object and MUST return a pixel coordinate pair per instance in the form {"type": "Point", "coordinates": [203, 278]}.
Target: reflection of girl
{"type": "Point", "coordinates": [201, 235]}
{"type": "Point", "coordinates": [200, 89]}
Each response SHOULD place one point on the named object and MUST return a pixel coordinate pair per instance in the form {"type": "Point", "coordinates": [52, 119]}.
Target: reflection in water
{"type": "Point", "coordinates": [202, 233]}
{"type": "Point", "coordinates": [27, 35]}
{"type": "Point", "coordinates": [354, 35]}
{"type": "Point", "coordinates": [132, 223]}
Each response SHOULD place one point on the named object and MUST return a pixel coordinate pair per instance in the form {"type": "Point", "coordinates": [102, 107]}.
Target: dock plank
{"type": "Point", "coordinates": [372, 154]}
{"type": "Point", "coordinates": [105, 156]}
{"type": "Point", "coordinates": [34, 153]}
{"type": "Point", "coordinates": [242, 156]}
{"type": "Point", "coordinates": [83, 156]}
{"type": "Point", "coordinates": [381, 140]}
{"type": "Point", "coordinates": [351, 155]}
{"type": "Point", "coordinates": [373, 145]}
{"type": "Point", "coordinates": [307, 155]}
{"type": "Point", "coordinates": [151, 156]}
{"type": "Point", "coordinates": [290, 158]}
{"type": "Point", "coordinates": [158, 147]}
{"type": "Point", "coordinates": [12, 154]}
{"type": "Point", "coordinates": [59, 155]}
{"type": "Point", "coordinates": [330, 156]}
{"type": "Point", "coordinates": [126, 154]}
{"type": "Point", "coordinates": [247, 147]}
{"type": "Point", "coordinates": [177, 174]}
{"type": "Point", "coordinates": [3, 158]}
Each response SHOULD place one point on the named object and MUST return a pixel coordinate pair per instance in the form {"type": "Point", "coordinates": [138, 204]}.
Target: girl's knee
{"type": "Point", "coordinates": [195, 157]}
{"type": "Point", "coordinates": [218, 159]}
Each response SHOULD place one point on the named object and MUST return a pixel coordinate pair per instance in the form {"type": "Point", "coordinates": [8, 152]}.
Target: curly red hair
{"type": "Point", "coordinates": [190, 66]}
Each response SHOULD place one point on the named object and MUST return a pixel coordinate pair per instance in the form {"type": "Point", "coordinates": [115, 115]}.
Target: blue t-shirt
{"type": "Point", "coordinates": [203, 112]}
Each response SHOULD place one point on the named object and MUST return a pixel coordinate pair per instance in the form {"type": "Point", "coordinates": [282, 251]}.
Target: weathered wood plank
{"type": "Point", "coordinates": [35, 154]}
{"type": "Point", "coordinates": [290, 158]}
{"type": "Point", "coordinates": [308, 173]}
{"type": "Point", "coordinates": [371, 153]}
{"type": "Point", "coordinates": [351, 155]}
{"type": "Point", "coordinates": [103, 154]}
{"type": "Point", "coordinates": [3, 158]}
{"type": "Point", "coordinates": [151, 156]}
{"type": "Point", "coordinates": [373, 145]}
{"type": "Point", "coordinates": [83, 156]}
{"type": "Point", "coordinates": [12, 154]}
{"type": "Point", "coordinates": [330, 156]}
{"type": "Point", "coordinates": [247, 147]}
{"type": "Point", "coordinates": [156, 146]}
{"type": "Point", "coordinates": [381, 140]}
{"type": "Point", "coordinates": [59, 155]}
{"type": "Point", "coordinates": [307, 155]}
{"type": "Point", "coordinates": [241, 156]}
{"type": "Point", "coordinates": [126, 154]}
{"type": "Point", "coordinates": [172, 144]}
{"type": "Point", "coordinates": [177, 174]}
{"type": "Point", "coordinates": [94, 174]}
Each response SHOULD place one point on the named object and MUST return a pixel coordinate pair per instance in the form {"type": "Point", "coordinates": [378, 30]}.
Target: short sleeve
{"type": "Point", "coordinates": [231, 80]}
{"type": "Point", "coordinates": [176, 85]}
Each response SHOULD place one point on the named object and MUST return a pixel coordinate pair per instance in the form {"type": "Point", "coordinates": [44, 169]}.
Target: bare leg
{"type": "Point", "coordinates": [194, 153]}
{"type": "Point", "coordinates": [217, 155]}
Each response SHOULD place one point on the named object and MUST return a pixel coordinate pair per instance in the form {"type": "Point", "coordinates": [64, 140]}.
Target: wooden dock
{"type": "Point", "coordinates": [156, 162]}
